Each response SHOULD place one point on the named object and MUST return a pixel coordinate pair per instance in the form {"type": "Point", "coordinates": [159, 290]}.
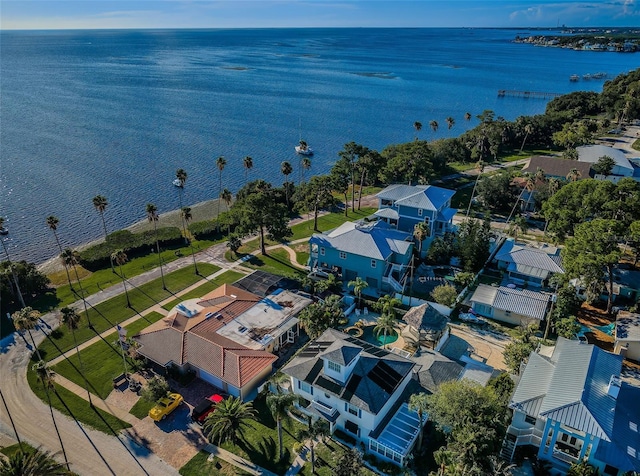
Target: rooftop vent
{"type": "Point", "coordinates": [614, 386]}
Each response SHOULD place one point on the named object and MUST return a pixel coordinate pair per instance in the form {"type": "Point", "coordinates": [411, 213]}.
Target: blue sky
{"type": "Point", "coordinates": [88, 14]}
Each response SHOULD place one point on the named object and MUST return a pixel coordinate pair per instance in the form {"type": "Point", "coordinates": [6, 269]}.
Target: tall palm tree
{"type": "Point", "coordinates": [421, 231]}
{"type": "Point", "coordinates": [46, 376]}
{"type": "Point", "coordinates": [573, 175]}
{"type": "Point", "coordinates": [120, 257]}
{"type": "Point", "coordinates": [247, 162]}
{"type": "Point", "coordinates": [385, 324]}
{"type": "Point", "coordinates": [227, 198]}
{"type": "Point", "coordinates": [418, 127]}
{"type": "Point", "coordinates": [286, 170]}
{"type": "Point", "coordinates": [72, 258]}
{"type": "Point", "coordinates": [450, 122]}
{"type": "Point", "coordinates": [279, 404]}
{"type": "Point", "coordinates": [229, 421]}
{"type": "Point", "coordinates": [13, 425]}
{"type": "Point", "coordinates": [100, 203]}
{"type": "Point", "coordinates": [434, 126]}
{"type": "Point", "coordinates": [305, 165]}
{"type": "Point", "coordinates": [13, 271]}
{"type": "Point", "coordinates": [387, 305]}
{"type": "Point", "coordinates": [71, 319]}
{"type": "Point", "coordinates": [185, 212]}
{"type": "Point", "coordinates": [52, 223]}
{"type": "Point", "coordinates": [358, 286]}
{"type": "Point", "coordinates": [152, 216]}
{"type": "Point", "coordinates": [220, 164]}
{"type": "Point", "coordinates": [181, 176]}
{"type": "Point", "coordinates": [318, 429]}
{"type": "Point", "coordinates": [467, 116]}
{"type": "Point", "coordinates": [418, 402]}
{"type": "Point", "coordinates": [480, 168]}
{"type": "Point", "coordinates": [26, 319]}
{"type": "Point", "coordinates": [528, 129]}
{"type": "Point", "coordinates": [32, 463]}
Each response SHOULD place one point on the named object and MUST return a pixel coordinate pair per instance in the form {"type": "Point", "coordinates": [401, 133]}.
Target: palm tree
{"type": "Point", "coordinates": [46, 376]}
{"type": "Point", "coordinates": [279, 404]}
{"type": "Point", "coordinates": [185, 212]}
{"type": "Point", "coordinates": [100, 203]}
{"type": "Point", "coordinates": [220, 163]}
{"type": "Point", "coordinates": [434, 126]}
{"type": "Point", "coordinates": [528, 129]}
{"type": "Point", "coordinates": [52, 223]}
{"type": "Point", "coordinates": [306, 165]}
{"type": "Point", "coordinates": [467, 116]}
{"type": "Point", "coordinates": [13, 425]}
{"type": "Point", "coordinates": [421, 231]}
{"type": "Point", "coordinates": [13, 271]}
{"type": "Point", "coordinates": [227, 198]}
{"type": "Point", "coordinates": [152, 216]}
{"type": "Point", "coordinates": [26, 319]}
{"type": "Point", "coordinates": [418, 127]}
{"type": "Point", "coordinates": [120, 258]}
{"type": "Point", "coordinates": [181, 176]}
{"type": "Point", "coordinates": [318, 429]}
{"type": "Point", "coordinates": [418, 402]}
{"type": "Point", "coordinates": [229, 421]}
{"type": "Point", "coordinates": [519, 225]}
{"type": "Point", "coordinates": [71, 319]}
{"type": "Point", "coordinates": [450, 122]}
{"type": "Point", "coordinates": [387, 305]}
{"type": "Point", "coordinates": [247, 162]}
{"type": "Point", "coordinates": [72, 258]}
{"type": "Point", "coordinates": [32, 463]}
{"type": "Point", "coordinates": [573, 175]}
{"type": "Point", "coordinates": [358, 286]}
{"type": "Point", "coordinates": [385, 324]}
{"type": "Point", "coordinates": [480, 167]}
{"type": "Point", "coordinates": [286, 170]}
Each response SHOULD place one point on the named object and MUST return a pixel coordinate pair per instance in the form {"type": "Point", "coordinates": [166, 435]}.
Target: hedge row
{"type": "Point", "coordinates": [98, 256]}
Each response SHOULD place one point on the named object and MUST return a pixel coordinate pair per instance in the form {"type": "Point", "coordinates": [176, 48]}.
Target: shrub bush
{"type": "Point", "coordinates": [344, 437]}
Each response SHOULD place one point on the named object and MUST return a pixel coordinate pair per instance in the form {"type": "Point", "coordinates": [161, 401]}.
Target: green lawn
{"type": "Point", "coordinates": [109, 313]}
{"type": "Point", "coordinates": [102, 360]}
{"type": "Point", "coordinates": [224, 278]}
{"type": "Point", "coordinates": [261, 446]}
{"type": "Point", "coordinates": [328, 222]}
{"type": "Point", "coordinates": [276, 262]}
{"type": "Point", "coordinates": [327, 455]}
{"type": "Point", "coordinates": [636, 144]}
{"type": "Point", "coordinates": [141, 408]}
{"type": "Point", "coordinates": [199, 466]}
{"type": "Point", "coordinates": [13, 449]}
{"type": "Point", "coordinates": [79, 407]}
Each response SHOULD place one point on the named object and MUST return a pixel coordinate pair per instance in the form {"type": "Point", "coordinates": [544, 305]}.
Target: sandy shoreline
{"type": "Point", "coordinates": [206, 210]}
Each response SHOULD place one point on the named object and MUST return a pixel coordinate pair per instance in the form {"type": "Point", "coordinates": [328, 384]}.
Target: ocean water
{"type": "Point", "coordinates": [117, 112]}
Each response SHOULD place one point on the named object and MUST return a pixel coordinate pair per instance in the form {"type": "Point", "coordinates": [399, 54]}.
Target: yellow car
{"type": "Point", "coordinates": [165, 406]}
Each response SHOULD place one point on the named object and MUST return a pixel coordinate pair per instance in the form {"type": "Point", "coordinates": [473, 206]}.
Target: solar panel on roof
{"type": "Point", "coordinates": [328, 385]}
{"type": "Point", "coordinates": [351, 387]}
{"type": "Point", "coordinates": [385, 377]}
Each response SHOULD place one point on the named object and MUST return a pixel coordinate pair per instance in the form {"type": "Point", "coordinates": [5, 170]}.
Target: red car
{"type": "Point", "coordinates": [206, 406]}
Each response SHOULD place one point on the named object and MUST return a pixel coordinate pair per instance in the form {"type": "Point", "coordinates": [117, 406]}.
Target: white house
{"type": "Point", "coordinates": [572, 405]}
{"type": "Point", "coordinates": [622, 168]}
{"type": "Point", "coordinates": [511, 305]}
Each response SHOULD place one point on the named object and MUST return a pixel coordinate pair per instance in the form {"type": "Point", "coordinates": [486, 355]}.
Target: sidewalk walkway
{"type": "Point", "coordinates": [237, 461]}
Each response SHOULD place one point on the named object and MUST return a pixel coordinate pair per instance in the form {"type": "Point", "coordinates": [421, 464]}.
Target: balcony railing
{"type": "Point", "coordinates": [526, 436]}
{"type": "Point", "coordinates": [323, 407]}
{"type": "Point", "coordinates": [564, 457]}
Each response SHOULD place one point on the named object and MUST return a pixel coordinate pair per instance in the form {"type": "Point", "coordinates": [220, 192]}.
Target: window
{"type": "Point", "coordinates": [305, 387]}
{"type": "Point", "coordinates": [333, 366]}
{"type": "Point", "coordinates": [374, 263]}
{"type": "Point", "coordinates": [351, 427]}
{"type": "Point", "coordinates": [419, 212]}
{"type": "Point", "coordinates": [631, 451]}
{"type": "Point", "coordinates": [327, 396]}
{"type": "Point", "coordinates": [386, 202]}
{"type": "Point", "coordinates": [353, 410]}
{"type": "Point", "coordinates": [530, 420]}
{"type": "Point", "coordinates": [633, 426]}
{"type": "Point", "coordinates": [321, 251]}
{"type": "Point", "coordinates": [343, 255]}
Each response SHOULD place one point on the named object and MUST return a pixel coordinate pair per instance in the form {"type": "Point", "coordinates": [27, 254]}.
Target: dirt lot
{"type": "Point", "coordinates": [592, 316]}
{"type": "Point", "coordinates": [486, 346]}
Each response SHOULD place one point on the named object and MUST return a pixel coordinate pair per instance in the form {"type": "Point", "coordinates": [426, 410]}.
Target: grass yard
{"type": "Point", "coordinates": [107, 314]}
{"type": "Point", "coordinates": [261, 445]}
{"type": "Point", "coordinates": [276, 262]}
{"type": "Point", "coordinates": [327, 455]}
{"type": "Point", "coordinates": [199, 465]}
{"type": "Point", "coordinates": [79, 407]}
{"type": "Point", "coordinates": [224, 278]}
{"type": "Point", "coordinates": [13, 449]}
{"type": "Point", "coordinates": [328, 222]}
{"type": "Point", "coordinates": [102, 360]}
{"type": "Point", "coordinates": [141, 408]}
{"type": "Point", "coordinates": [636, 144]}
{"type": "Point", "coordinates": [302, 252]}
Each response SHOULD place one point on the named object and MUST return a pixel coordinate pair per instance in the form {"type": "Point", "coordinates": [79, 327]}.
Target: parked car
{"type": "Point", "coordinates": [205, 407]}
{"type": "Point", "coordinates": [165, 406]}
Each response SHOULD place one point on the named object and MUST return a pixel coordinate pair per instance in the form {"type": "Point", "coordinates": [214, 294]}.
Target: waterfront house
{"type": "Point", "coordinates": [227, 337]}
{"type": "Point", "coordinates": [404, 206]}
{"type": "Point", "coordinates": [510, 305]}
{"type": "Point", "coordinates": [571, 404]}
{"type": "Point", "coordinates": [627, 335]}
{"type": "Point", "coordinates": [374, 251]}
{"type": "Point", "coordinates": [528, 265]}
{"type": "Point", "coordinates": [556, 167]}
{"type": "Point", "coordinates": [360, 389]}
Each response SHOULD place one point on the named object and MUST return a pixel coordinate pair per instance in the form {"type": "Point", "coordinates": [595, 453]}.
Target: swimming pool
{"type": "Point", "coordinates": [370, 336]}
{"type": "Point", "coordinates": [608, 329]}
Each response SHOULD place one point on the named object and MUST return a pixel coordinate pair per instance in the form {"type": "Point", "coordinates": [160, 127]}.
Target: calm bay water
{"type": "Point", "coordinates": [117, 112]}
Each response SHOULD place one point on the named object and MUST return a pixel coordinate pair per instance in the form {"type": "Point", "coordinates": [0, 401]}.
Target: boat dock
{"type": "Point", "coordinates": [526, 94]}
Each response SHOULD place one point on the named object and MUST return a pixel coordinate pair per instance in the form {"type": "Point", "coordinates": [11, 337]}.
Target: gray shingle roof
{"type": "Point", "coordinates": [556, 166]}
{"type": "Point", "coordinates": [341, 353]}
{"type": "Point", "coordinates": [519, 301]}
{"type": "Point", "coordinates": [435, 369]}
{"type": "Point", "coordinates": [375, 240]}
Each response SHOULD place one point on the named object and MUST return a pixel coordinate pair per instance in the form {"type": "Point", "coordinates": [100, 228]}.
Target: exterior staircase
{"type": "Point", "coordinates": [508, 447]}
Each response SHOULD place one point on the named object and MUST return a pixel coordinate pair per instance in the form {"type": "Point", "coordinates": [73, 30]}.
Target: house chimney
{"type": "Point", "coordinates": [614, 386]}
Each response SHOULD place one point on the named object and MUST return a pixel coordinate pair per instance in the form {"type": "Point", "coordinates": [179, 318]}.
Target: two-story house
{"type": "Point", "coordinates": [359, 389]}
{"type": "Point", "coordinates": [373, 251]}
{"type": "Point", "coordinates": [526, 264]}
{"type": "Point", "coordinates": [572, 405]}
{"type": "Point", "coordinates": [404, 206]}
